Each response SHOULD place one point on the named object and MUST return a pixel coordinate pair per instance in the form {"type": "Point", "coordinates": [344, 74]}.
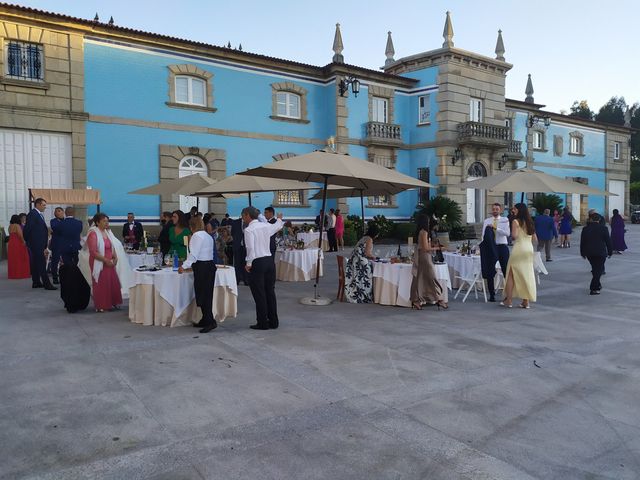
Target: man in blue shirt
{"type": "Point", "coordinates": [545, 231]}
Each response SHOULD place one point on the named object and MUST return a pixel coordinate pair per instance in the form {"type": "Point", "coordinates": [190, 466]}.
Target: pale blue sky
{"type": "Point", "coordinates": [573, 49]}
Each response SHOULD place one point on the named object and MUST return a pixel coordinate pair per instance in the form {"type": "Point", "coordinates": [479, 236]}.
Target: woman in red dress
{"type": "Point", "coordinates": [102, 261]}
{"type": "Point", "coordinates": [17, 253]}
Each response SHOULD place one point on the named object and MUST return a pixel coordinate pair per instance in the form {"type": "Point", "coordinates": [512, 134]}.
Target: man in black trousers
{"type": "Point", "coordinates": [239, 252]}
{"type": "Point", "coordinates": [595, 246]}
{"type": "Point", "coordinates": [260, 267]}
{"type": "Point", "coordinates": [36, 236]}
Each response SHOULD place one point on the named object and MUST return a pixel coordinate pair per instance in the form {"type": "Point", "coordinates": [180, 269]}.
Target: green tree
{"type": "Point", "coordinates": [581, 110]}
{"type": "Point", "coordinates": [612, 111]}
{"type": "Point", "coordinates": [542, 201]}
{"type": "Point", "coordinates": [635, 142]}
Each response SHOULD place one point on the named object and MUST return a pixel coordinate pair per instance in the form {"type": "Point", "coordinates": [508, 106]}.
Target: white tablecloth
{"type": "Point", "coordinates": [298, 265]}
{"type": "Point", "coordinates": [167, 298]}
{"type": "Point", "coordinates": [392, 282]}
{"type": "Point", "coordinates": [310, 239]}
{"type": "Point", "coordinates": [138, 259]}
{"type": "Point", "coordinates": [465, 266]}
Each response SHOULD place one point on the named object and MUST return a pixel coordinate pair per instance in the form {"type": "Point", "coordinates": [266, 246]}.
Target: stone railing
{"type": "Point", "coordinates": [479, 130]}
{"type": "Point", "coordinates": [515, 146]}
{"type": "Point", "coordinates": [388, 161]}
{"type": "Point", "coordinates": [383, 133]}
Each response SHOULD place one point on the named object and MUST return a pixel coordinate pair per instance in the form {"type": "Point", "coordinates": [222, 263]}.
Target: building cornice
{"type": "Point", "coordinates": [558, 117]}
{"type": "Point", "coordinates": [94, 29]}
{"type": "Point", "coordinates": [444, 55]}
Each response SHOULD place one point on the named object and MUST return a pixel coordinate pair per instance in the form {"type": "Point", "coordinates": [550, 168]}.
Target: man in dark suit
{"type": "Point", "coordinates": [163, 238]}
{"type": "Point", "coordinates": [595, 246]}
{"type": "Point", "coordinates": [70, 231]}
{"type": "Point", "coordinates": [55, 243]}
{"type": "Point", "coordinates": [545, 231]}
{"type": "Point", "coordinates": [239, 250]}
{"type": "Point", "coordinates": [270, 215]}
{"type": "Point", "coordinates": [132, 231]}
{"type": "Point", "coordinates": [36, 235]}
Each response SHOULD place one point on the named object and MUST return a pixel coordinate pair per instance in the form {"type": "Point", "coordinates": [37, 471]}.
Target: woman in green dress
{"type": "Point", "coordinates": [178, 232]}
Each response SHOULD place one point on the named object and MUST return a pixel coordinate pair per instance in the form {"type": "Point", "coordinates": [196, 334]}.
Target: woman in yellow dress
{"type": "Point", "coordinates": [520, 277]}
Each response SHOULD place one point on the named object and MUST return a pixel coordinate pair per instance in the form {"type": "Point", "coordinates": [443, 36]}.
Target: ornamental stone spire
{"type": "Point", "coordinates": [500, 47]}
{"type": "Point", "coordinates": [529, 91]}
{"type": "Point", "coordinates": [447, 34]}
{"type": "Point", "coordinates": [389, 51]}
{"type": "Point", "coordinates": [338, 47]}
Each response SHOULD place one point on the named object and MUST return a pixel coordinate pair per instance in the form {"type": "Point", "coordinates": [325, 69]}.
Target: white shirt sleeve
{"type": "Point", "coordinates": [195, 244]}
{"type": "Point", "coordinates": [503, 227]}
{"type": "Point", "coordinates": [249, 243]}
{"type": "Point", "coordinates": [262, 218]}
{"type": "Point", "coordinates": [275, 227]}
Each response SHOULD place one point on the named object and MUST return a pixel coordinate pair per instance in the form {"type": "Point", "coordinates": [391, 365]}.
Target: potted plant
{"type": "Point", "coordinates": [446, 212]}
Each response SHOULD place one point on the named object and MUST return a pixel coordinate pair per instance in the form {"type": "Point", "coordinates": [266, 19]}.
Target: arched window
{"type": "Point", "coordinates": [475, 197]}
{"type": "Point", "coordinates": [477, 170]}
{"type": "Point", "coordinates": [191, 90]}
{"type": "Point", "coordinates": [192, 165]}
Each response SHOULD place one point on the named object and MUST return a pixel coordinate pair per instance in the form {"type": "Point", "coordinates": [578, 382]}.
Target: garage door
{"type": "Point", "coordinates": [29, 160]}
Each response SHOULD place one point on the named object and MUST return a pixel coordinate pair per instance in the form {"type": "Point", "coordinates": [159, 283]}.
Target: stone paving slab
{"type": "Point", "coordinates": [341, 392]}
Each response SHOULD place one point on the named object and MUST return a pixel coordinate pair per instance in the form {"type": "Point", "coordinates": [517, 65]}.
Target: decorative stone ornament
{"type": "Point", "coordinates": [500, 47]}
{"type": "Point", "coordinates": [338, 46]}
{"type": "Point", "coordinates": [447, 34]}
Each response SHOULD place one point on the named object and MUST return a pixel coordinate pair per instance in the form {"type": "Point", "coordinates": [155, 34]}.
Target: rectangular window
{"type": "Point", "coordinates": [24, 61]}
{"type": "Point", "coordinates": [576, 145]}
{"type": "Point", "coordinates": [288, 105]}
{"type": "Point", "coordinates": [190, 90]}
{"type": "Point", "coordinates": [475, 110]}
{"type": "Point", "coordinates": [379, 110]}
{"type": "Point", "coordinates": [616, 150]}
{"type": "Point", "coordinates": [538, 140]}
{"type": "Point", "coordinates": [380, 201]}
{"type": "Point", "coordinates": [424, 109]}
{"type": "Point", "coordinates": [289, 197]}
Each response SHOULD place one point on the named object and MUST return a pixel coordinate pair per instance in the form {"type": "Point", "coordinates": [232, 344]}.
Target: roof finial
{"type": "Point", "coordinates": [338, 47]}
{"type": "Point", "coordinates": [500, 47]}
{"type": "Point", "coordinates": [529, 91]}
{"type": "Point", "coordinates": [111, 22]}
{"type": "Point", "coordinates": [389, 51]}
{"type": "Point", "coordinates": [447, 34]}
{"type": "Point", "coordinates": [96, 18]}
{"type": "Point", "coordinates": [240, 47]}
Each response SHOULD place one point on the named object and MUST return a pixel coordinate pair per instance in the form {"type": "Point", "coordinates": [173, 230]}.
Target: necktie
{"type": "Point", "coordinates": [495, 223]}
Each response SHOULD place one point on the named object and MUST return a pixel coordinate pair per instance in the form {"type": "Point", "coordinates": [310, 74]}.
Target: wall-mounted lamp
{"type": "Point", "coordinates": [343, 86]}
{"type": "Point", "coordinates": [457, 156]}
{"type": "Point", "coordinates": [535, 119]}
{"type": "Point", "coordinates": [503, 161]}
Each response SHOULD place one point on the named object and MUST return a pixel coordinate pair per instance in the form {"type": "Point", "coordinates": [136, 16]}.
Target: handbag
{"type": "Point", "coordinates": [438, 257]}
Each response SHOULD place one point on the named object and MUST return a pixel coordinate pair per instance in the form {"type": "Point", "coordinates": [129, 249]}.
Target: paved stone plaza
{"type": "Point", "coordinates": [341, 392]}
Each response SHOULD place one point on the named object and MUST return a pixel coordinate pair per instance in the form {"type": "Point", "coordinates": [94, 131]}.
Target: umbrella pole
{"type": "Point", "coordinates": [362, 208]}
{"type": "Point", "coordinates": [249, 198]}
{"type": "Point", "coordinates": [198, 204]}
{"type": "Point", "coordinates": [521, 197]}
{"type": "Point", "coordinates": [324, 204]}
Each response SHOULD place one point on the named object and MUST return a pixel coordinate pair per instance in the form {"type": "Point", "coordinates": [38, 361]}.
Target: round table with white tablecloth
{"type": "Point", "coordinates": [298, 265]}
{"type": "Point", "coordinates": [167, 298]}
{"type": "Point", "coordinates": [310, 239]}
{"type": "Point", "coordinates": [392, 283]}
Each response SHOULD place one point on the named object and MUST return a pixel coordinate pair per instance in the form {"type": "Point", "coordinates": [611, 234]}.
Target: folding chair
{"type": "Point", "coordinates": [472, 280]}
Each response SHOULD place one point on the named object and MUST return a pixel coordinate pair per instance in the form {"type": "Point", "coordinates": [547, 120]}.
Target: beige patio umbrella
{"type": "Point", "coordinates": [178, 186]}
{"type": "Point", "coordinates": [245, 184]}
{"type": "Point", "coordinates": [530, 180]}
{"type": "Point", "coordinates": [338, 169]}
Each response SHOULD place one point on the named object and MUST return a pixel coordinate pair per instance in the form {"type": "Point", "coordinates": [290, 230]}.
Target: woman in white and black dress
{"type": "Point", "coordinates": [200, 260]}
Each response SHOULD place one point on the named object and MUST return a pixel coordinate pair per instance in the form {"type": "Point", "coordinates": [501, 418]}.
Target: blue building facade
{"type": "Point", "coordinates": [156, 108]}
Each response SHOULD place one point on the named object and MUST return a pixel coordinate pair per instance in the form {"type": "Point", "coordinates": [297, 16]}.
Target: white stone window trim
{"type": "Point", "coordinates": [424, 109]}
{"type": "Point", "coordinates": [289, 110]}
{"type": "Point", "coordinates": [192, 83]}
{"type": "Point", "coordinates": [576, 143]}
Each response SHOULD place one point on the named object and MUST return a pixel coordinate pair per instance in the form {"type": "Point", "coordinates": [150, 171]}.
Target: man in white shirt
{"type": "Point", "coordinates": [331, 231]}
{"type": "Point", "coordinates": [261, 268]}
{"type": "Point", "coordinates": [501, 230]}
{"type": "Point", "coordinates": [200, 259]}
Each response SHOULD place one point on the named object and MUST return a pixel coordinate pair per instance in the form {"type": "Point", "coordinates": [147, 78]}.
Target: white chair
{"type": "Point", "coordinates": [471, 280]}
